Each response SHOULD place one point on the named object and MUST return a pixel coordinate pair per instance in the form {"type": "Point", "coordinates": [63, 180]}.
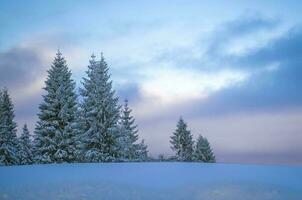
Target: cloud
{"type": "Point", "coordinates": [19, 66]}
{"type": "Point", "coordinates": [274, 81]}
{"type": "Point", "coordinates": [272, 72]}
{"type": "Point", "coordinates": [173, 68]}
{"type": "Point", "coordinates": [21, 71]}
{"type": "Point", "coordinates": [216, 49]}
{"type": "Point", "coordinates": [128, 91]}
{"type": "Point", "coordinates": [172, 85]}
{"type": "Point", "coordinates": [242, 27]}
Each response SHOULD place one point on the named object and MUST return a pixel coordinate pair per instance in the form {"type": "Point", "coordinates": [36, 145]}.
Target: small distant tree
{"type": "Point", "coordinates": [8, 130]}
{"type": "Point", "coordinates": [141, 152]}
{"type": "Point", "coordinates": [161, 157]}
{"type": "Point", "coordinates": [182, 142]}
{"type": "Point", "coordinates": [25, 148]}
{"type": "Point", "coordinates": [203, 151]}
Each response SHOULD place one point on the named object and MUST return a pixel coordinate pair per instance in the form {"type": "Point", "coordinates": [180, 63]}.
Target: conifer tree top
{"type": "Point", "coordinates": [25, 129]}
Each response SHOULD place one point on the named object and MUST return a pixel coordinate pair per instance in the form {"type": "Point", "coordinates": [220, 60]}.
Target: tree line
{"type": "Point", "coordinates": [89, 127]}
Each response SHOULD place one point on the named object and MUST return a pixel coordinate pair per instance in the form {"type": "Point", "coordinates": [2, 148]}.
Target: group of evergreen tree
{"type": "Point", "coordinates": [183, 145]}
{"type": "Point", "coordinates": [93, 129]}
{"type": "Point", "coordinates": [13, 150]}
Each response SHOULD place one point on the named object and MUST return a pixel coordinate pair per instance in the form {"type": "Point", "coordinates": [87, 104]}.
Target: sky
{"type": "Point", "coordinates": [231, 69]}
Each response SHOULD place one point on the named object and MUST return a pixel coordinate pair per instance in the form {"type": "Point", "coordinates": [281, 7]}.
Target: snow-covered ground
{"type": "Point", "coordinates": [151, 181]}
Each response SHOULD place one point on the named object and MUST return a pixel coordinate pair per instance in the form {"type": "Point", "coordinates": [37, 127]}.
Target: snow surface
{"type": "Point", "coordinates": [151, 181]}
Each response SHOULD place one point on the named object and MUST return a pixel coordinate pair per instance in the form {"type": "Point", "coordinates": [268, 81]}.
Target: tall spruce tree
{"type": "Point", "coordinates": [25, 148]}
{"type": "Point", "coordinates": [203, 151]}
{"type": "Point", "coordinates": [56, 130]}
{"type": "Point", "coordinates": [8, 137]}
{"type": "Point", "coordinates": [182, 142]}
{"type": "Point", "coordinates": [101, 114]}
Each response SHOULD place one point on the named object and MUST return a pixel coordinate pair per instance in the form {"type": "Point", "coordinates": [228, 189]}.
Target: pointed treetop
{"type": "Point", "coordinates": [59, 58]}
{"type": "Point", "coordinates": [25, 129]}
{"type": "Point", "coordinates": [25, 126]}
{"type": "Point", "coordinates": [102, 57]}
{"type": "Point", "coordinates": [59, 54]}
{"type": "Point", "coordinates": [126, 109]}
{"type": "Point", "coordinates": [92, 56]}
{"type": "Point", "coordinates": [181, 121]}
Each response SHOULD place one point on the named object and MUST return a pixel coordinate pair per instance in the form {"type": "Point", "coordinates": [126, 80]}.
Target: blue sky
{"type": "Point", "coordinates": [232, 69]}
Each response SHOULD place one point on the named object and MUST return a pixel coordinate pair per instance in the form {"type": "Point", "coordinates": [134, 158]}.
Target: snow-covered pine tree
{"type": "Point", "coordinates": [130, 150]}
{"type": "Point", "coordinates": [56, 130]}
{"type": "Point", "coordinates": [25, 149]}
{"type": "Point", "coordinates": [141, 152]}
{"type": "Point", "coordinates": [8, 137]}
{"type": "Point", "coordinates": [101, 114]}
{"type": "Point", "coordinates": [182, 142]}
{"type": "Point", "coordinates": [203, 151]}
{"type": "Point", "coordinates": [123, 143]}
{"type": "Point", "coordinates": [128, 135]}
